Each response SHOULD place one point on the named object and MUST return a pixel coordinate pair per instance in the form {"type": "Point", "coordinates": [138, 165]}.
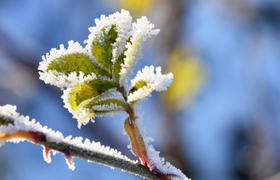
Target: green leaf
{"type": "Point", "coordinates": [107, 102]}
{"type": "Point", "coordinates": [117, 67]}
{"type": "Point", "coordinates": [118, 62]}
{"type": "Point", "coordinates": [102, 51]}
{"type": "Point", "coordinates": [93, 107]}
{"type": "Point", "coordinates": [138, 85]}
{"type": "Point", "coordinates": [80, 95]}
{"type": "Point", "coordinates": [75, 62]}
{"type": "Point", "coordinates": [137, 142]}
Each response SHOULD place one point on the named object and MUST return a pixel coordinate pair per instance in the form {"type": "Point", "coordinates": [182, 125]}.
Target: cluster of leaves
{"type": "Point", "coordinates": [92, 97]}
{"type": "Point", "coordinates": [94, 77]}
{"type": "Point", "coordinates": [94, 80]}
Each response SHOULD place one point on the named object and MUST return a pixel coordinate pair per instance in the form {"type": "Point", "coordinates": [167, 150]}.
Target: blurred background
{"type": "Point", "coordinates": [219, 120]}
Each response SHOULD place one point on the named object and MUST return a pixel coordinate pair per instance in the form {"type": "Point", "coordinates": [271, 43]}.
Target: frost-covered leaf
{"type": "Point", "coordinates": [68, 67]}
{"type": "Point", "coordinates": [147, 81]}
{"type": "Point", "coordinates": [105, 106]}
{"type": "Point", "coordinates": [122, 25]}
{"type": "Point", "coordinates": [81, 94]}
{"type": "Point", "coordinates": [117, 67]}
{"type": "Point", "coordinates": [75, 62]}
{"type": "Point", "coordinates": [93, 109]}
{"type": "Point", "coordinates": [139, 84]}
{"type": "Point", "coordinates": [77, 98]}
{"type": "Point", "coordinates": [101, 48]}
{"type": "Point", "coordinates": [142, 30]}
{"type": "Point", "coordinates": [118, 64]}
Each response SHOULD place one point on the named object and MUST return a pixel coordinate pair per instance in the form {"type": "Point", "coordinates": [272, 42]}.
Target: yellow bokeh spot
{"type": "Point", "coordinates": [189, 76]}
{"type": "Point", "coordinates": [137, 7]}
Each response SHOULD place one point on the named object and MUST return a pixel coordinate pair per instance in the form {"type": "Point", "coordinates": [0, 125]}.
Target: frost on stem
{"type": "Point", "coordinates": [156, 164]}
{"type": "Point", "coordinates": [20, 128]}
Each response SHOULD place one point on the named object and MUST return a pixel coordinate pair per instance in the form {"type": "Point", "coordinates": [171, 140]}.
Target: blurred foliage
{"type": "Point", "coordinates": [137, 7]}
{"type": "Point", "coordinates": [189, 75]}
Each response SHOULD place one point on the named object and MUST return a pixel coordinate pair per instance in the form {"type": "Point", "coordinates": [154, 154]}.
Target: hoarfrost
{"type": "Point", "coordinates": [85, 115]}
{"type": "Point", "coordinates": [57, 78]}
{"type": "Point", "coordinates": [120, 98]}
{"type": "Point", "coordinates": [69, 161]}
{"type": "Point", "coordinates": [123, 23]}
{"type": "Point", "coordinates": [46, 154]}
{"type": "Point", "coordinates": [142, 30]}
{"type": "Point", "coordinates": [106, 107]}
{"type": "Point", "coordinates": [155, 81]}
{"type": "Point", "coordinates": [79, 114]}
{"type": "Point", "coordinates": [22, 123]}
{"type": "Point", "coordinates": [155, 162]}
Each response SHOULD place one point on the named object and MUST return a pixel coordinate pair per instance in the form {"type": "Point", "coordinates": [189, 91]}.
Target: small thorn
{"type": "Point", "coordinates": [69, 159]}
{"type": "Point", "coordinates": [46, 154]}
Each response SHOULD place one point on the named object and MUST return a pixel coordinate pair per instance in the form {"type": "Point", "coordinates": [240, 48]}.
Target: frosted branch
{"type": "Point", "coordinates": [15, 128]}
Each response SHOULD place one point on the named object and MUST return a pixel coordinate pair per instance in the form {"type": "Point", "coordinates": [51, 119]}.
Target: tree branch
{"type": "Point", "coordinates": [70, 150]}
